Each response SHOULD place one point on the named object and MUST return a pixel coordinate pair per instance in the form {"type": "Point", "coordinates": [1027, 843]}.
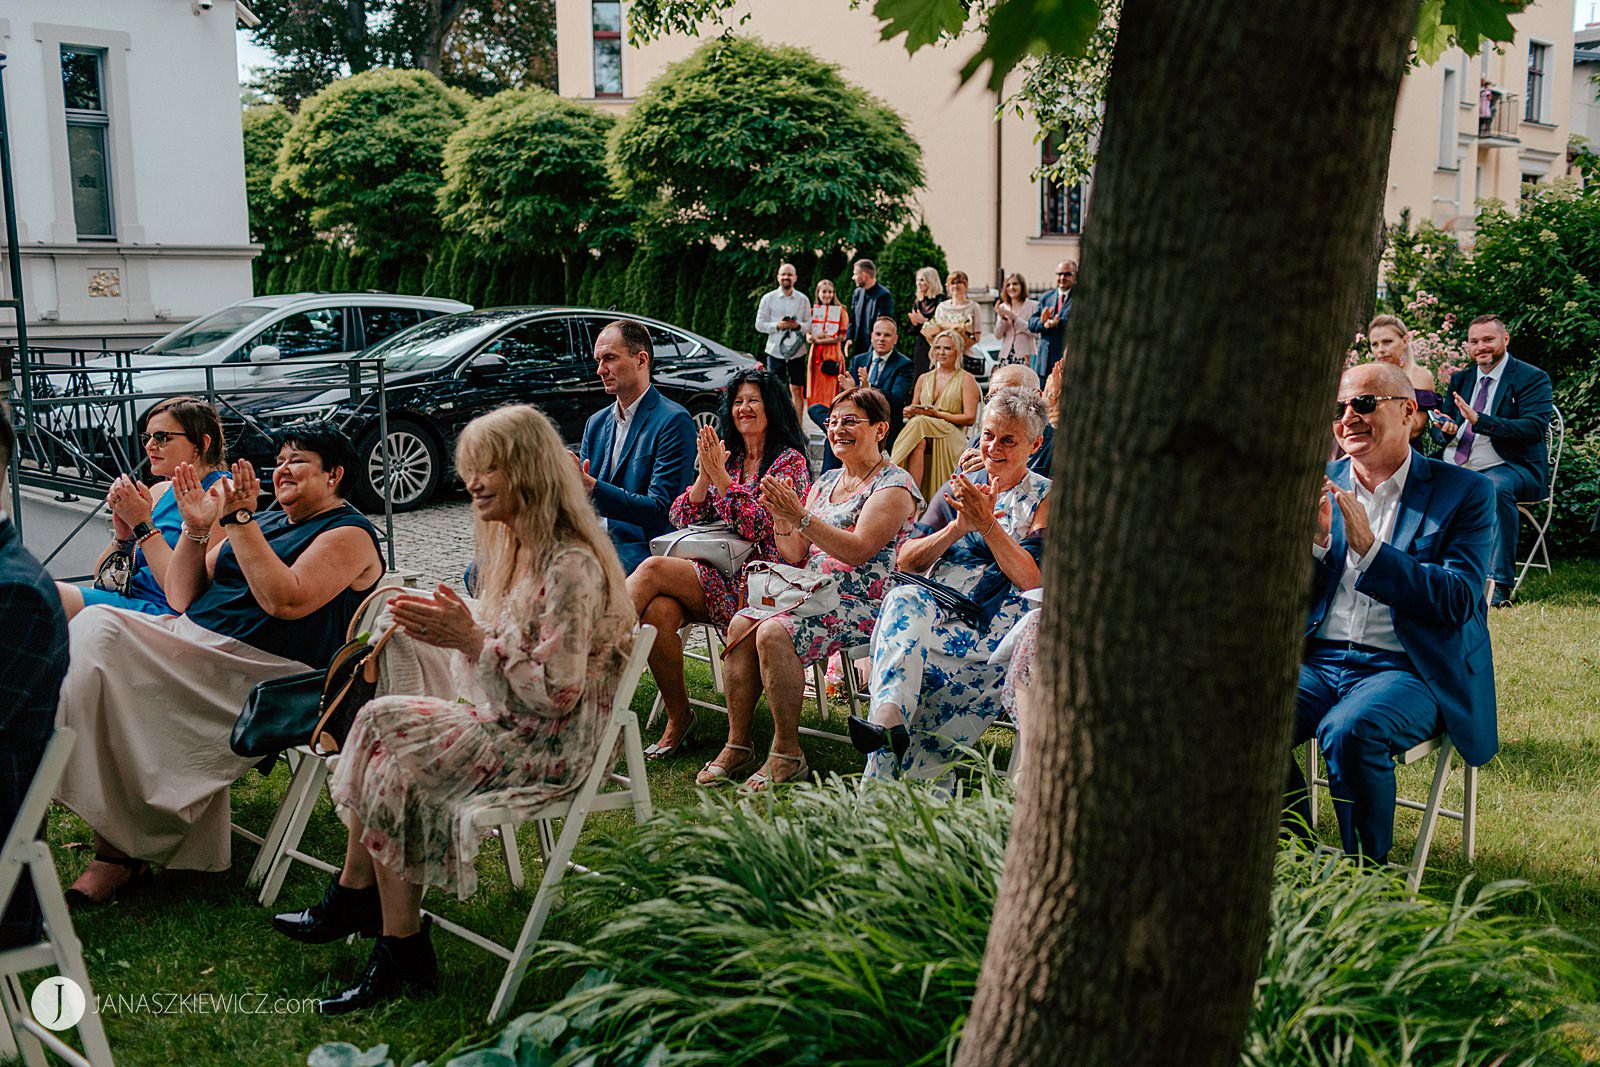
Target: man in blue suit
{"type": "Point", "coordinates": [1496, 415]}
{"type": "Point", "coordinates": [884, 368]}
{"type": "Point", "coordinates": [1049, 321]}
{"type": "Point", "coordinates": [1397, 637]}
{"type": "Point", "coordinates": [33, 660]}
{"type": "Point", "coordinates": [638, 453]}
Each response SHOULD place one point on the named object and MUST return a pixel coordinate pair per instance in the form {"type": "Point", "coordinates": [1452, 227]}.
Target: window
{"type": "Point", "coordinates": [672, 348]}
{"type": "Point", "coordinates": [1060, 206]}
{"type": "Point", "coordinates": [1533, 105]}
{"type": "Point", "coordinates": [541, 343]}
{"type": "Point", "coordinates": [319, 332]}
{"type": "Point", "coordinates": [88, 122]}
{"type": "Point", "coordinates": [383, 323]}
{"type": "Point", "coordinates": [1447, 122]}
{"type": "Point", "coordinates": [607, 23]}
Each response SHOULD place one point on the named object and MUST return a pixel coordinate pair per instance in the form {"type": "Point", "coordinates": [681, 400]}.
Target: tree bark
{"type": "Point", "coordinates": [357, 49]}
{"type": "Point", "coordinates": [1224, 263]}
{"type": "Point", "coordinates": [442, 15]}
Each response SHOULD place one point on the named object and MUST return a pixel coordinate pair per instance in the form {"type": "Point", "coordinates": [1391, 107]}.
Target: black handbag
{"type": "Point", "coordinates": [957, 604]}
{"type": "Point", "coordinates": [830, 367]}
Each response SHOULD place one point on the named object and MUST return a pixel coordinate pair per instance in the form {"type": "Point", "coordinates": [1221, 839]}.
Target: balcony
{"type": "Point", "coordinates": [1498, 129]}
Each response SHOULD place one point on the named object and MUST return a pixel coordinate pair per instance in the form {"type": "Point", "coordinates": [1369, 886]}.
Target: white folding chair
{"type": "Point", "coordinates": [602, 789]}
{"type": "Point", "coordinates": [1431, 810]}
{"type": "Point", "coordinates": [26, 854]}
{"type": "Point", "coordinates": [848, 677]}
{"type": "Point", "coordinates": [712, 658]}
{"type": "Point", "coordinates": [1539, 552]}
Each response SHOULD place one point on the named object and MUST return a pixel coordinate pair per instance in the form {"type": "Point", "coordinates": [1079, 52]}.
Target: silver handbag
{"type": "Point", "coordinates": [714, 545]}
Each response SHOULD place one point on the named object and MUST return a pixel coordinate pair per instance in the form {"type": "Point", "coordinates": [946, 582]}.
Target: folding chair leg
{"type": "Point", "coordinates": [633, 756]}
{"type": "Point", "coordinates": [1469, 813]}
{"type": "Point", "coordinates": [14, 1009]}
{"type": "Point", "coordinates": [272, 840]}
{"type": "Point", "coordinates": [714, 648]}
{"type": "Point", "coordinates": [851, 696]}
{"type": "Point", "coordinates": [68, 952]}
{"type": "Point", "coordinates": [1430, 818]}
{"type": "Point", "coordinates": [312, 773]}
{"type": "Point", "coordinates": [656, 709]}
{"type": "Point", "coordinates": [508, 842]}
{"type": "Point", "coordinates": [1313, 757]}
{"type": "Point", "coordinates": [819, 682]}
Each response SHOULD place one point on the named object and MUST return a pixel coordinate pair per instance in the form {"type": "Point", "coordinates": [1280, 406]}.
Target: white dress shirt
{"type": "Point", "coordinates": [1354, 616]}
{"type": "Point", "coordinates": [623, 426]}
{"type": "Point", "coordinates": [774, 308]}
{"type": "Point", "coordinates": [1483, 454]}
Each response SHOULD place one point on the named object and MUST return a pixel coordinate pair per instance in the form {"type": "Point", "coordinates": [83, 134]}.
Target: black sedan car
{"type": "Point", "coordinates": [441, 374]}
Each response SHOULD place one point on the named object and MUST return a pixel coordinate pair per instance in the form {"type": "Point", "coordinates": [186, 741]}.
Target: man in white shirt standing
{"type": "Point", "coordinates": [1397, 637]}
{"type": "Point", "coordinates": [784, 315]}
{"type": "Point", "coordinates": [1495, 418]}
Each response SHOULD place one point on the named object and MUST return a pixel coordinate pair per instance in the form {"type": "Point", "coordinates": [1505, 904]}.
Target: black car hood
{"type": "Point", "coordinates": [706, 372]}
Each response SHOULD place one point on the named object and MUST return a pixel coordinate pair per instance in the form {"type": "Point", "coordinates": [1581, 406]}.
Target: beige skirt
{"type": "Point", "coordinates": [153, 700]}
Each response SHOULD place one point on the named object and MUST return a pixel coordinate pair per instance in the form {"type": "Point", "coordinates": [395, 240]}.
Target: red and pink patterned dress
{"type": "Point", "coordinates": [741, 509]}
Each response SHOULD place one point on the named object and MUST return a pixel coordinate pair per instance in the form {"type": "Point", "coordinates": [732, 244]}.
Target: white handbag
{"type": "Point", "coordinates": [715, 545]}
{"type": "Point", "coordinates": [777, 589]}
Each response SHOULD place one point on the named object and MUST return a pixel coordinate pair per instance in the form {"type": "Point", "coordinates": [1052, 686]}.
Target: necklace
{"type": "Point", "coordinates": [854, 489]}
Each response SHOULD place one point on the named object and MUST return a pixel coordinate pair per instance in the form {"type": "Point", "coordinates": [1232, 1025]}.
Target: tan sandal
{"type": "Point", "coordinates": [719, 773]}
{"type": "Point", "coordinates": [758, 782]}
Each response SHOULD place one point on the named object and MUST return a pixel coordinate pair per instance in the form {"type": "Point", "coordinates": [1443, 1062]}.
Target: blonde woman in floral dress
{"type": "Point", "coordinates": [556, 625]}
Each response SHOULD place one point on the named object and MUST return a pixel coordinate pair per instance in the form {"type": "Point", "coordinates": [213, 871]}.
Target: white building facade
{"type": "Point", "coordinates": [128, 161]}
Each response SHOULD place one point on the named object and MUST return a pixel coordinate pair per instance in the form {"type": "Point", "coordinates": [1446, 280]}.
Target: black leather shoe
{"type": "Point", "coordinates": [869, 737]}
{"type": "Point", "coordinates": [340, 913]}
{"type": "Point", "coordinates": [397, 965]}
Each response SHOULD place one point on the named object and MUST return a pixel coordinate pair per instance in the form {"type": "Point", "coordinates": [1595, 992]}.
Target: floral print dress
{"type": "Point", "coordinates": [413, 764]}
{"type": "Point", "coordinates": [861, 589]}
{"type": "Point", "coordinates": [936, 669]}
{"type": "Point", "coordinates": [741, 509]}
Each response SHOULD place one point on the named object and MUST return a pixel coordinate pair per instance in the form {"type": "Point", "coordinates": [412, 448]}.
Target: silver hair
{"type": "Point", "coordinates": [1019, 405]}
{"type": "Point", "coordinates": [1027, 377]}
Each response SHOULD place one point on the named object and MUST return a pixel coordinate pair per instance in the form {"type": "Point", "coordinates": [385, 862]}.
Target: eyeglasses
{"type": "Point", "coordinates": [843, 422]}
{"type": "Point", "coordinates": [1365, 404]}
{"type": "Point", "coordinates": [162, 438]}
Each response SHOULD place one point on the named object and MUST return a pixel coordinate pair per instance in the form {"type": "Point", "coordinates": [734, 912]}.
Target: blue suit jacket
{"type": "Point", "coordinates": [895, 382]}
{"type": "Point", "coordinates": [1518, 416]}
{"type": "Point", "coordinates": [33, 661]}
{"type": "Point", "coordinates": [1431, 574]}
{"type": "Point", "coordinates": [657, 464]}
{"type": "Point", "coordinates": [1052, 341]}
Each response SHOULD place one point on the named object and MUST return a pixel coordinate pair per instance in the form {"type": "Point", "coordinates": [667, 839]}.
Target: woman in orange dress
{"type": "Point", "coordinates": [829, 324]}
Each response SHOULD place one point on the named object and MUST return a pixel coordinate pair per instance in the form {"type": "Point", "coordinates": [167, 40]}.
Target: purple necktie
{"type": "Point", "coordinates": [1464, 443]}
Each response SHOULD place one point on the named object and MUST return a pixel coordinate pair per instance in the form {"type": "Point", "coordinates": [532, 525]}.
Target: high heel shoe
{"type": "Point", "coordinates": [78, 900]}
{"type": "Point", "coordinates": [869, 737]}
{"type": "Point", "coordinates": [660, 751]}
{"type": "Point", "coordinates": [342, 911]}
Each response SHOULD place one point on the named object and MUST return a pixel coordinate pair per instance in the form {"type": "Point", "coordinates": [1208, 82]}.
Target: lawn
{"type": "Point", "coordinates": [1539, 810]}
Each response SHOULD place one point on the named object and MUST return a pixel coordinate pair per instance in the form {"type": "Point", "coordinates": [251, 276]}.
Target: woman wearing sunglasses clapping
{"type": "Point", "coordinates": [131, 571]}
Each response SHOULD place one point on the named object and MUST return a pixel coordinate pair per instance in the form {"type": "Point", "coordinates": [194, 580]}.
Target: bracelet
{"type": "Point", "coordinates": [146, 537]}
{"type": "Point", "coordinates": [202, 539]}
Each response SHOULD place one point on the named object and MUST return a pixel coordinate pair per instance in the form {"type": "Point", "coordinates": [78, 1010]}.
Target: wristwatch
{"type": "Point", "coordinates": [803, 523]}
{"type": "Point", "coordinates": [143, 532]}
{"type": "Point", "coordinates": [242, 517]}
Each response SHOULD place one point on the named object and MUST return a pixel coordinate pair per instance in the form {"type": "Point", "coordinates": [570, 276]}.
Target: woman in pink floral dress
{"type": "Point", "coordinates": [759, 438]}
{"type": "Point", "coordinates": [850, 526]}
{"type": "Point", "coordinates": [543, 657]}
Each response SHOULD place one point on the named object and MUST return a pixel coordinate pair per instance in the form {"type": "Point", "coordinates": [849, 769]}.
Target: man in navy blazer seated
{"type": "Point", "coordinates": [638, 453]}
{"type": "Point", "coordinates": [33, 661]}
{"type": "Point", "coordinates": [1397, 637]}
{"type": "Point", "coordinates": [882, 367]}
{"type": "Point", "coordinates": [1496, 415]}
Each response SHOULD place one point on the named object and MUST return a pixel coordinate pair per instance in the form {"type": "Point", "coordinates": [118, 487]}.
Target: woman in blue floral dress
{"type": "Point", "coordinates": [850, 527]}
{"type": "Point", "coordinates": [759, 437]}
{"type": "Point", "coordinates": [933, 687]}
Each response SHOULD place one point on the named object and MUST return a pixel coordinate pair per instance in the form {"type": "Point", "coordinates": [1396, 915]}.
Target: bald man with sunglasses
{"type": "Point", "coordinates": [1397, 639]}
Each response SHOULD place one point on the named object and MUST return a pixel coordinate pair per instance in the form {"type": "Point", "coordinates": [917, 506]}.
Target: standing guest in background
{"type": "Point", "coordinates": [638, 454]}
{"type": "Point", "coordinates": [958, 313]}
{"type": "Point", "coordinates": [784, 315]}
{"type": "Point", "coordinates": [1012, 312]}
{"type": "Point", "coordinates": [33, 660]}
{"type": "Point", "coordinates": [1391, 343]}
{"type": "Point", "coordinates": [829, 326]}
{"type": "Point", "coordinates": [1500, 434]}
{"type": "Point", "coordinates": [869, 303]}
{"type": "Point", "coordinates": [945, 403]}
{"type": "Point", "coordinates": [923, 307]}
{"type": "Point", "coordinates": [182, 429]}
{"type": "Point", "coordinates": [758, 437]}
{"type": "Point", "coordinates": [1049, 322]}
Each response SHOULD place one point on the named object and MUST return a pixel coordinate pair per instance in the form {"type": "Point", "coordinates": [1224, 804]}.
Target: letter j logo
{"type": "Point", "coordinates": [58, 1003]}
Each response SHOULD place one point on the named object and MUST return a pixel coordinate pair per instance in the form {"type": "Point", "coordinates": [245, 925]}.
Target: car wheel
{"type": "Point", "coordinates": [704, 416]}
{"type": "Point", "coordinates": [415, 467]}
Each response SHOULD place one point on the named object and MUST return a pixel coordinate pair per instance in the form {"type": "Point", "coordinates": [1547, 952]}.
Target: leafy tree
{"type": "Point", "coordinates": [366, 154]}
{"type": "Point", "coordinates": [762, 147]}
{"type": "Point", "coordinates": [688, 284]}
{"type": "Point", "coordinates": [526, 174]}
{"type": "Point", "coordinates": [277, 220]}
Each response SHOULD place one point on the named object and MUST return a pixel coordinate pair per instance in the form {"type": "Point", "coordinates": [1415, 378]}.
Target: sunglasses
{"type": "Point", "coordinates": [1365, 404]}
{"type": "Point", "coordinates": [162, 438]}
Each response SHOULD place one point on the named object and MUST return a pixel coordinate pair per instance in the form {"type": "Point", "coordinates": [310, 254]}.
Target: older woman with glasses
{"type": "Point", "coordinates": [849, 527]}
{"type": "Point", "coordinates": [933, 687]}
{"type": "Point", "coordinates": [145, 520]}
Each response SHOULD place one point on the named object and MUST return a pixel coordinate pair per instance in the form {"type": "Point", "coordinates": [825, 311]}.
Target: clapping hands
{"type": "Point", "coordinates": [201, 507]}
{"type": "Point", "coordinates": [130, 503]}
{"type": "Point", "coordinates": [780, 498]}
{"type": "Point", "coordinates": [974, 505]}
{"type": "Point", "coordinates": [713, 459]}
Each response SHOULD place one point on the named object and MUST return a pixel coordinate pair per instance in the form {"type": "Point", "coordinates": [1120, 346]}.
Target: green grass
{"type": "Point", "coordinates": [1539, 806]}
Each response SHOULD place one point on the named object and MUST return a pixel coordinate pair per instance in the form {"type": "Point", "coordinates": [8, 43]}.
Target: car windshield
{"type": "Point", "coordinates": [432, 344]}
{"type": "Point", "coordinates": [204, 334]}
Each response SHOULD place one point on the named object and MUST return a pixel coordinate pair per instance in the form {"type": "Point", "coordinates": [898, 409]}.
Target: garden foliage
{"type": "Point", "coordinates": [835, 926]}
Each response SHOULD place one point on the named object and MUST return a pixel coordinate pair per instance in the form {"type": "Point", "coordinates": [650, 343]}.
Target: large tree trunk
{"type": "Point", "coordinates": [1224, 264]}
{"type": "Point", "coordinates": [442, 15]}
{"type": "Point", "coordinates": [357, 48]}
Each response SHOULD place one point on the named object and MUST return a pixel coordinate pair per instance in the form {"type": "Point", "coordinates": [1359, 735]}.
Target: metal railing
{"type": "Point", "coordinates": [1500, 124]}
